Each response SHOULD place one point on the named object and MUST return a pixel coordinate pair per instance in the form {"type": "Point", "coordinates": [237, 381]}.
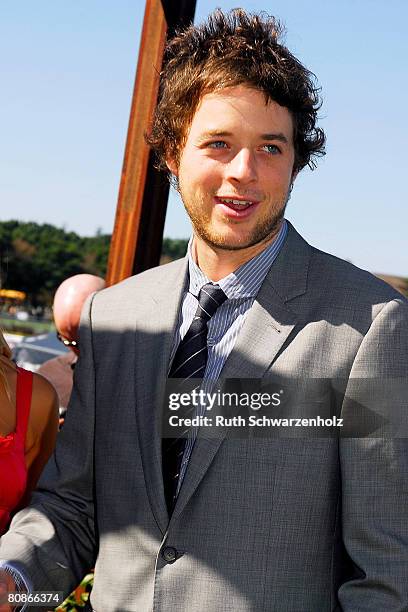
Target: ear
{"type": "Point", "coordinates": [172, 166]}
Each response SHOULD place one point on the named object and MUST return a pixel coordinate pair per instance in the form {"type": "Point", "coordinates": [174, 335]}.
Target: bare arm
{"type": "Point", "coordinates": [41, 432]}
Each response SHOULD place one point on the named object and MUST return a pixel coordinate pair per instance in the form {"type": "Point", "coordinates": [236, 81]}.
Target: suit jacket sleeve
{"type": "Point", "coordinates": [53, 540]}
{"type": "Point", "coordinates": [375, 471]}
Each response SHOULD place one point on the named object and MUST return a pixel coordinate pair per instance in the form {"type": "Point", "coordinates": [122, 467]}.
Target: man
{"type": "Point", "coordinates": [68, 302]}
{"type": "Point", "coordinates": [219, 523]}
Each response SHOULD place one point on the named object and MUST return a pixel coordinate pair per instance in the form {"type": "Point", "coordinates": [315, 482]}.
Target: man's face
{"type": "Point", "coordinates": [236, 168]}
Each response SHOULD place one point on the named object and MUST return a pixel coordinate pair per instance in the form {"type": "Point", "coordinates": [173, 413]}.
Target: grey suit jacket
{"type": "Point", "coordinates": [276, 525]}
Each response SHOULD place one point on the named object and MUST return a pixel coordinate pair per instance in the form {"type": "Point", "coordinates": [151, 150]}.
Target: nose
{"type": "Point", "coordinates": [242, 167]}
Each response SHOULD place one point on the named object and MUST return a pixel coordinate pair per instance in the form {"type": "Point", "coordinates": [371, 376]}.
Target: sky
{"type": "Point", "coordinates": [68, 71]}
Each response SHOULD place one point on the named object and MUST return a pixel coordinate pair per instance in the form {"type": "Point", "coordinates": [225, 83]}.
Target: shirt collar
{"type": "Point", "coordinates": [244, 282]}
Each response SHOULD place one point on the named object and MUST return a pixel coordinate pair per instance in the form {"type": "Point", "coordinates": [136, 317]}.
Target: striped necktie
{"type": "Point", "coordinates": [189, 361]}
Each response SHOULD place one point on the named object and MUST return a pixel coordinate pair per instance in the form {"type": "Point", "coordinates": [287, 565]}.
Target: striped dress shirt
{"type": "Point", "coordinates": [241, 288]}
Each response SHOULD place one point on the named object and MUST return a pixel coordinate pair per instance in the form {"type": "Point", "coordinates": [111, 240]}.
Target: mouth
{"type": "Point", "coordinates": [236, 207]}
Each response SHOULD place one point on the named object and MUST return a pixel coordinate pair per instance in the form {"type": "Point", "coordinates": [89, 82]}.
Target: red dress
{"type": "Point", "coordinates": [13, 471]}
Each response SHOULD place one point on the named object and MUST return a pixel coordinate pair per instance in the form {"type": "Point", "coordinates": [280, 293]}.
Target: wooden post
{"type": "Point", "coordinates": [143, 192]}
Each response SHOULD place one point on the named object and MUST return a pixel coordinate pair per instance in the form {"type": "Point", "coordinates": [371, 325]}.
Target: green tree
{"type": "Point", "coordinates": [36, 258]}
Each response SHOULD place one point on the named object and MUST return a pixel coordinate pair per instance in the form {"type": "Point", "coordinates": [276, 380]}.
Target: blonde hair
{"type": "Point", "coordinates": [6, 351]}
{"type": "Point", "coordinates": [4, 347]}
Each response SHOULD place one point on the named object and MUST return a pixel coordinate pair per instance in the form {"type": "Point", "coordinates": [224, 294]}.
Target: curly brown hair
{"type": "Point", "coordinates": [227, 50]}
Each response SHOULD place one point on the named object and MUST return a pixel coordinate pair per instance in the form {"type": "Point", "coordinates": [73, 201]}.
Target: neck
{"type": "Point", "coordinates": [217, 263]}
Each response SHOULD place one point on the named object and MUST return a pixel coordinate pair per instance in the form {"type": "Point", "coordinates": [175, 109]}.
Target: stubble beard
{"type": "Point", "coordinates": [264, 230]}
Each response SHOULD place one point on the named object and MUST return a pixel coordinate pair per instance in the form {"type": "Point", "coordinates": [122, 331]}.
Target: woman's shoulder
{"type": "Point", "coordinates": [44, 403]}
{"type": "Point", "coordinates": [42, 386]}
{"type": "Point", "coordinates": [42, 428]}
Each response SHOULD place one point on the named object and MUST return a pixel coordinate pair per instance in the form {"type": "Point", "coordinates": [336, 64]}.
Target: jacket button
{"type": "Point", "coordinates": [169, 554]}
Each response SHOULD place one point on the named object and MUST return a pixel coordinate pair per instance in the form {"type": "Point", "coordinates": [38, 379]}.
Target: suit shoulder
{"type": "Point", "coordinates": [141, 283]}
{"type": "Point", "coordinates": [344, 278]}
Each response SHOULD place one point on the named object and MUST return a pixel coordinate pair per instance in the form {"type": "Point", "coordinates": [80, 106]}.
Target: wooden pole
{"type": "Point", "coordinates": [143, 191]}
{"type": "Point", "coordinates": [132, 183]}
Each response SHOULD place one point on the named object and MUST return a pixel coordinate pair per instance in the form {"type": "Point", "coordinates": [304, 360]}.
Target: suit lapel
{"type": "Point", "coordinates": [156, 328]}
{"type": "Point", "coordinates": [267, 328]}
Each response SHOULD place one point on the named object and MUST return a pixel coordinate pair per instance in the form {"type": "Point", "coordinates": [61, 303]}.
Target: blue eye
{"type": "Point", "coordinates": [217, 144]}
{"type": "Point", "coordinates": [271, 148]}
